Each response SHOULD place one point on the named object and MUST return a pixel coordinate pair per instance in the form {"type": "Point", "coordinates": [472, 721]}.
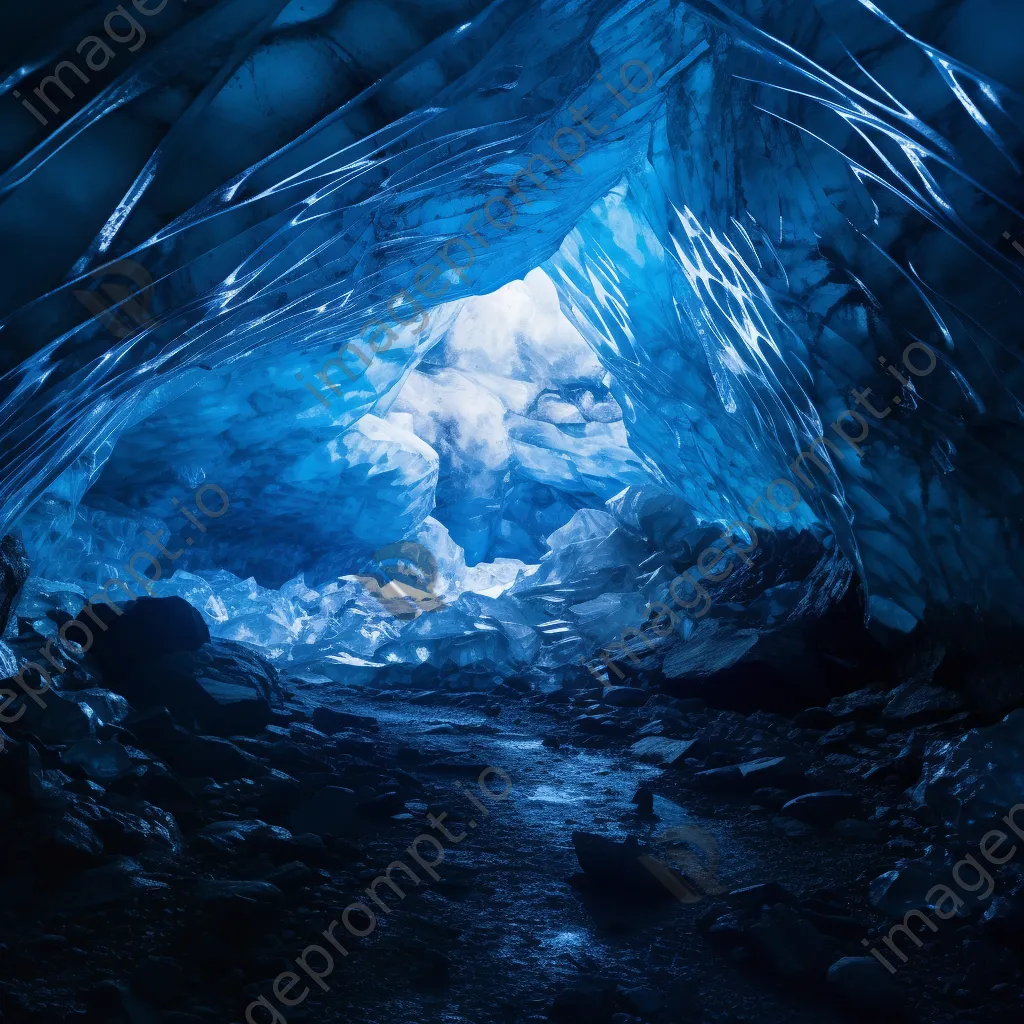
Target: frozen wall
{"type": "Point", "coordinates": [748, 210]}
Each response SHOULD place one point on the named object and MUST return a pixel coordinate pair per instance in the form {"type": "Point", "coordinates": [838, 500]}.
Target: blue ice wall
{"type": "Point", "coordinates": [796, 193]}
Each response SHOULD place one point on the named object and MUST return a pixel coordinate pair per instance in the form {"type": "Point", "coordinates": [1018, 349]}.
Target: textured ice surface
{"type": "Point", "coordinates": [803, 191]}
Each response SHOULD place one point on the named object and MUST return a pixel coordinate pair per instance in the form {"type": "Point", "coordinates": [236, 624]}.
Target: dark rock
{"type": "Point", "coordinates": [145, 631]}
{"type": "Point", "coordinates": [859, 706]}
{"type": "Point", "coordinates": [332, 811]}
{"type": "Point", "coordinates": [586, 1001]}
{"type": "Point", "coordinates": [753, 897]}
{"type": "Point", "coordinates": [71, 846]}
{"type": "Point", "coordinates": [838, 736]}
{"type": "Point", "coordinates": [727, 929]}
{"type": "Point", "coordinates": [224, 894]}
{"type": "Point", "coordinates": [248, 837]}
{"type": "Point", "coordinates": [159, 979]}
{"type": "Point", "coordinates": [771, 797]}
{"type": "Point", "coordinates": [63, 720]}
{"type": "Point", "coordinates": [750, 775]}
{"type": "Point", "coordinates": [155, 730]}
{"type": "Point", "coordinates": [913, 703]}
{"type": "Point", "coordinates": [831, 922]}
{"type": "Point", "coordinates": [109, 708]}
{"type": "Point", "coordinates": [823, 808]}
{"type": "Point", "coordinates": [235, 907]}
{"type": "Point", "coordinates": [100, 760]}
{"type": "Point", "coordinates": [601, 725]}
{"type": "Point", "coordinates": [291, 875]}
{"type": "Point", "coordinates": [220, 759]}
{"type": "Point", "coordinates": [644, 800]}
{"type": "Point", "coordinates": [644, 1002]}
{"type": "Point", "coordinates": [134, 827]}
{"type": "Point", "coordinates": [613, 869]}
{"type": "Point", "coordinates": [14, 571]}
{"type": "Point", "coordinates": [864, 983]}
{"type": "Point", "coordinates": [661, 750]}
{"type": "Point", "coordinates": [792, 827]}
{"type": "Point", "coordinates": [856, 831]}
{"type": "Point", "coordinates": [1003, 920]}
{"type": "Point", "coordinates": [23, 780]}
{"type": "Point", "coordinates": [276, 792]}
{"type": "Point", "coordinates": [625, 697]}
{"type": "Point", "coordinates": [118, 881]}
{"type": "Point", "coordinates": [154, 784]}
{"type": "Point", "coordinates": [788, 945]}
{"type": "Point", "coordinates": [815, 718]}
{"type": "Point", "coordinates": [330, 720]}
{"type": "Point", "coordinates": [382, 806]}
{"type": "Point", "coordinates": [220, 688]}
{"type": "Point", "coordinates": [357, 746]}
{"type": "Point", "coordinates": [680, 705]}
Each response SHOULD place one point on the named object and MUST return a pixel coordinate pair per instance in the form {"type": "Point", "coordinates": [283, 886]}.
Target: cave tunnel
{"type": "Point", "coordinates": [512, 511]}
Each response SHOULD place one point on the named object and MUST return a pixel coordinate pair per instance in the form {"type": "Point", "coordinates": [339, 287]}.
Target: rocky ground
{"type": "Point", "coordinates": [654, 859]}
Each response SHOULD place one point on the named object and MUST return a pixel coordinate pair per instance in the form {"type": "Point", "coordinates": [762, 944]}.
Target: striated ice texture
{"type": "Point", "coordinates": [681, 307]}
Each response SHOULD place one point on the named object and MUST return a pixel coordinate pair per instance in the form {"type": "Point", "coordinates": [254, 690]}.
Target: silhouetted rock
{"type": "Point", "coordinates": [587, 1001]}
{"type": "Point", "coordinates": [331, 720]}
{"type": "Point", "coordinates": [615, 869]}
{"type": "Point", "coordinates": [824, 808]}
{"type": "Point", "coordinates": [332, 811]}
{"type": "Point", "coordinates": [661, 750]}
{"type": "Point", "coordinates": [221, 688]}
{"type": "Point", "coordinates": [864, 983]}
{"type": "Point", "coordinates": [14, 570]}
{"type": "Point", "coordinates": [146, 630]}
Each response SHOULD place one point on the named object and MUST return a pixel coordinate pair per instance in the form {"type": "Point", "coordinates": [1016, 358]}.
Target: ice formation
{"type": "Point", "coordinates": [740, 214]}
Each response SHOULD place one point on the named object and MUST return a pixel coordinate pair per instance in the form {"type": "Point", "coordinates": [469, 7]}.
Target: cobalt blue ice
{"type": "Point", "coordinates": [669, 247]}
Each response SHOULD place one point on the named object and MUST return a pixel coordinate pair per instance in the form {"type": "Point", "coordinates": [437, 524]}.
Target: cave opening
{"type": "Point", "coordinates": [511, 511]}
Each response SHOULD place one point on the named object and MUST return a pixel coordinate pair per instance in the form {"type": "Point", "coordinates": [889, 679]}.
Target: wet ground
{"type": "Point", "coordinates": [505, 929]}
{"type": "Point", "coordinates": [205, 932]}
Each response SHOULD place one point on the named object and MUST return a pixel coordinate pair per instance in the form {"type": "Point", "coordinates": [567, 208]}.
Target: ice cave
{"type": "Point", "coordinates": [614, 403]}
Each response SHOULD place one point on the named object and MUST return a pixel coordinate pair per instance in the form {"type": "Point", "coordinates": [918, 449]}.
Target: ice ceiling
{"type": "Point", "coordinates": [803, 191]}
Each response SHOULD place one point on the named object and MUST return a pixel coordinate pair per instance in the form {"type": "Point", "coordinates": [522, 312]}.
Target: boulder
{"type": "Point", "coordinates": [118, 881]}
{"type": "Point", "coordinates": [14, 570]}
{"type": "Point", "coordinates": [332, 811]}
{"type": "Point", "coordinates": [750, 775]}
{"type": "Point", "coordinates": [330, 720]}
{"type": "Point", "coordinates": [63, 719]}
{"type": "Point", "coordinates": [823, 808]}
{"type": "Point", "coordinates": [101, 760]}
{"type": "Point", "coordinates": [627, 869]}
{"type": "Point", "coordinates": [220, 759]}
{"type": "Point", "coordinates": [862, 982]}
{"type": "Point", "coordinates": [788, 945]}
{"type": "Point", "coordinates": [661, 750]}
{"type": "Point", "coordinates": [914, 703]}
{"type": "Point", "coordinates": [145, 631]}
{"type": "Point", "coordinates": [586, 1001]}
{"type": "Point", "coordinates": [71, 845]}
{"type": "Point", "coordinates": [625, 697]}
{"type": "Point", "coordinates": [220, 688]}
{"type": "Point", "coordinates": [1003, 920]}
{"type": "Point", "coordinates": [133, 827]}
{"type": "Point", "coordinates": [246, 837]}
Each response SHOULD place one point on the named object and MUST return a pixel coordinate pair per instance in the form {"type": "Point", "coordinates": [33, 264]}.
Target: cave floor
{"type": "Point", "coordinates": [508, 927]}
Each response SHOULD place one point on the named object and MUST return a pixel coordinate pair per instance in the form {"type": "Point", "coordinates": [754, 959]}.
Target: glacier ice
{"type": "Point", "coordinates": [689, 299]}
